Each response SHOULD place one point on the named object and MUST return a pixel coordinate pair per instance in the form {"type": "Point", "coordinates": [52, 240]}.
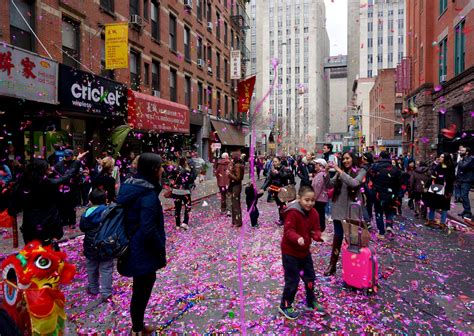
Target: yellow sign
{"type": "Point", "coordinates": [116, 46]}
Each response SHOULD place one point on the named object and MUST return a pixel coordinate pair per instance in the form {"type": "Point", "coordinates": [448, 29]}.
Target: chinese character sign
{"type": "Point", "coordinates": [28, 76]}
{"type": "Point", "coordinates": [116, 46]}
{"type": "Point", "coordinates": [235, 71]}
{"type": "Point", "coordinates": [245, 90]}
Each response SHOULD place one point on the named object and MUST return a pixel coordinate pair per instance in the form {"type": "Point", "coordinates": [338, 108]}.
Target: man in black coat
{"type": "Point", "coordinates": [465, 179]}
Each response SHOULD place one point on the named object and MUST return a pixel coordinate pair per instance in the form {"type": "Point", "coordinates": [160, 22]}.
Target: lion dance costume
{"type": "Point", "coordinates": [31, 291]}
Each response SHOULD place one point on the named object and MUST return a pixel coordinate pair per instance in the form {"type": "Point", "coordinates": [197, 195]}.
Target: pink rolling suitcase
{"type": "Point", "coordinates": [360, 267]}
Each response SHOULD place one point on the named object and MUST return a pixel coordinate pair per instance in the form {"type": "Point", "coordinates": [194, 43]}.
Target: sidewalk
{"type": "Point", "coordinates": [203, 190]}
{"type": "Point", "coordinates": [457, 208]}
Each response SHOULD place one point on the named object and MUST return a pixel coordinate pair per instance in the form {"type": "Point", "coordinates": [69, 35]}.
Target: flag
{"type": "Point", "coordinates": [117, 138]}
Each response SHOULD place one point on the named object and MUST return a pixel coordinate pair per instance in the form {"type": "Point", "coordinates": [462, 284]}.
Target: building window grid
{"type": "Point", "coordinates": [108, 5]}
{"type": "Point", "coordinates": [218, 25]}
{"type": "Point", "coordinates": [187, 43]}
{"type": "Point", "coordinates": [187, 91]}
{"type": "Point", "coordinates": [172, 32]}
{"type": "Point", "coordinates": [135, 70]}
{"type": "Point", "coordinates": [173, 85]}
{"type": "Point", "coordinates": [146, 74]}
{"type": "Point", "coordinates": [71, 42]}
{"type": "Point", "coordinates": [443, 53]}
{"type": "Point", "coordinates": [155, 20]}
{"type": "Point", "coordinates": [155, 75]}
{"type": "Point", "coordinates": [459, 47]}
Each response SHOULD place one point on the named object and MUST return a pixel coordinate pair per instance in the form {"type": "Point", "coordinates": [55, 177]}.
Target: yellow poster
{"type": "Point", "coordinates": [116, 46]}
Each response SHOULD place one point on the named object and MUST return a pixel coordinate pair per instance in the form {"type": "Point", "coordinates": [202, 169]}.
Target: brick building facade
{"type": "Point", "coordinates": [440, 46]}
{"type": "Point", "coordinates": [178, 51]}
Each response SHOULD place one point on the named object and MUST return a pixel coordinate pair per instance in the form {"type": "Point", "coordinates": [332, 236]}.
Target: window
{"type": "Point", "coordinates": [370, 42]}
{"type": "Point", "coordinates": [370, 26]}
{"type": "Point", "coordinates": [145, 9]}
{"type": "Point", "coordinates": [108, 5]}
{"type": "Point", "coordinates": [187, 91]}
{"type": "Point", "coordinates": [173, 89]}
{"type": "Point", "coordinates": [209, 55]}
{"type": "Point", "coordinates": [398, 109]}
{"type": "Point", "coordinates": [199, 9]}
{"type": "Point", "coordinates": [209, 99]}
{"type": "Point", "coordinates": [199, 48]}
{"type": "Point", "coordinates": [200, 93]}
{"type": "Point", "coordinates": [397, 130]}
{"type": "Point", "coordinates": [209, 12]}
{"type": "Point", "coordinates": [459, 48]}
{"type": "Point", "coordinates": [134, 70]}
{"type": "Point", "coordinates": [443, 54]}
{"type": "Point", "coordinates": [232, 109]}
{"type": "Point", "coordinates": [390, 40]}
{"type": "Point", "coordinates": [155, 75]}
{"type": "Point", "coordinates": [369, 74]}
{"type": "Point", "coordinates": [70, 40]}
{"type": "Point", "coordinates": [172, 33]}
{"type": "Point", "coordinates": [187, 44]}
{"type": "Point", "coordinates": [443, 5]}
{"type": "Point", "coordinates": [103, 72]}
{"type": "Point", "coordinates": [218, 105]}
{"type": "Point", "coordinates": [226, 107]}
{"type": "Point", "coordinates": [134, 9]}
{"type": "Point", "coordinates": [218, 26]}
{"type": "Point", "coordinates": [155, 20]}
{"type": "Point", "coordinates": [226, 71]}
{"type": "Point", "coordinates": [20, 34]}
{"type": "Point", "coordinates": [225, 33]}
{"type": "Point", "coordinates": [218, 66]}
{"type": "Point", "coordinates": [232, 39]}
{"type": "Point", "coordinates": [146, 74]}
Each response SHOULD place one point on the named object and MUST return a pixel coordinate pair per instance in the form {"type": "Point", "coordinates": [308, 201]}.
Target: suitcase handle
{"type": "Point", "coordinates": [362, 224]}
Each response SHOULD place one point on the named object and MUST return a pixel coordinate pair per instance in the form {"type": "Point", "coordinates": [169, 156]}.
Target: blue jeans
{"type": "Point", "coordinates": [100, 271]}
{"type": "Point", "coordinates": [381, 208]}
{"type": "Point", "coordinates": [466, 204]}
{"type": "Point", "coordinates": [444, 215]}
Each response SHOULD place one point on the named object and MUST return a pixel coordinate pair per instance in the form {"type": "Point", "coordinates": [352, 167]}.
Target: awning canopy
{"type": "Point", "coordinates": [229, 134]}
{"type": "Point", "coordinates": [150, 113]}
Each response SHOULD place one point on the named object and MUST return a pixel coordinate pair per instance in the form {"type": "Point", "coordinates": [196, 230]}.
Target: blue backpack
{"type": "Point", "coordinates": [111, 240]}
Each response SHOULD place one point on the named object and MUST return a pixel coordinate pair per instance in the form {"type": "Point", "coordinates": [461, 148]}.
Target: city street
{"type": "Point", "coordinates": [425, 283]}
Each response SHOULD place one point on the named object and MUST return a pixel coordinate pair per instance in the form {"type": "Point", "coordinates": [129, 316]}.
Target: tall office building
{"type": "Point", "coordinates": [297, 111]}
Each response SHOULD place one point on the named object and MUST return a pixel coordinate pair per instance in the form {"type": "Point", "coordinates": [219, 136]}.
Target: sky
{"type": "Point", "coordinates": [336, 25]}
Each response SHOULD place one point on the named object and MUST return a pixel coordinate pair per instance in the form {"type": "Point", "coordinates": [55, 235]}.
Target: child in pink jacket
{"type": "Point", "coordinates": [320, 181]}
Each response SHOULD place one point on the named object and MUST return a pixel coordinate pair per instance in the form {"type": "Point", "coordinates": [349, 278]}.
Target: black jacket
{"type": "Point", "coordinates": [105, 182]}
{"type": "Point", "coordinates": [303, 171]}
{"type": "Point", "coordinates": [280, 179]}
{"type": "Point", "coordinates": [386, 180]}
{"type": "Point", "coordinates": [466, 170]}
{"type": "Point", "coordinates": [251, 197]}
{"type": "Point", "coordinates": [90, 222]}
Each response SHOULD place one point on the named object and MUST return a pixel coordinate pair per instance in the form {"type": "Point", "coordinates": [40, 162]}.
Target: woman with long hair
{"type": "Point", "coordinates": [347, 189]}
{"type": "Point", "coordinates": [105, 180]}
{"type": "Point", "coordinates": [442, 177]}
{"type": "Point", "coordinates": [182, 186]}
{"type": "Point", "coordinates": [145, 224]}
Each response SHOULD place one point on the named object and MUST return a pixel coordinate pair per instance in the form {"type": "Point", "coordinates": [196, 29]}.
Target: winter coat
{"type": "Point", "coordinates": [90, 222]}
{"type": "Point", "coordinates": [444, 176]}
{"type": "Point", "coordinates": [184, 181]}
{"type": "Point", "coordinates": [419, 179]}
{"type": "Point", "coordinates": [145, 224]}
{"type": "Point", "coordinates": [220, 171]}
{"type": "Point", "coordinates": [340, 206]}
{"type": "Point", "coordinates": [39, 204]}
{"type": "Point", "coordinates": [299, 223]}
{"type": "Point", "coordinates": [320, 181]}
{"type": "Point", "coordinates": [251, 197]}
{"type": "Point", "coordinates": [106, 183]}
{"type": "Point", "coordinates": [236, 174]}
{"type": "Point", "coordinates": [278, 179]}
{"type": "Point", "coordinates": [386, 180]}
{"type": "Point", "coordinates": [303, 171]}
{"type": "Point", "coordinates": [466, 170]}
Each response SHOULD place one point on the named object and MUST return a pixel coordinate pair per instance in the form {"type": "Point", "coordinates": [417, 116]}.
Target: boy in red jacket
{"type": "Point", "coordinates": [301, 225]}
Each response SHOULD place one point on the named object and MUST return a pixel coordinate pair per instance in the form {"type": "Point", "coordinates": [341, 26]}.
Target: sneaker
{"type": "Point", "coordinates": [380, 236]}
{"type": "Point", "coordinates": [185, 226]}
{"type": "Point", "coordinates": [315, 307]}
{"type": "Point", "coordinates": [289, 313]}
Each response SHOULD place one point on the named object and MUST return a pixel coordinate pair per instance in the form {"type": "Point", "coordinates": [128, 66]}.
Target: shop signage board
{"type": "Point", "coordinates": [216, 145]}
{"type": "Point", "coordinates": [245, 90]}
{"type": "Point", "coordinates": [26, 75]}
{"type": "Point", "coordinates": [116, 46]}
{"type": "Point", "coordinates": [150, 113]}
{"type": "Point", "coordinates": [85, 92]}
{"type": "Point", "coordinates": [235, 68]}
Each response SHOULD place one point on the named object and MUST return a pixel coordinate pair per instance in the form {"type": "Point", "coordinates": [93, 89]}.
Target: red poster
{"type": "Point", "coordinates": [245, 90]}
{"type": "Point", "coordinates": [149, 113]}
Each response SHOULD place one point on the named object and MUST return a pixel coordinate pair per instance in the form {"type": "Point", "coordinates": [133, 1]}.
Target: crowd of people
{"type": "Point", "coordinates": [328, 184]}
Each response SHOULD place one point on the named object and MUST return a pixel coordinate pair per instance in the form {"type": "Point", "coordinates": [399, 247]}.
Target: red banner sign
{"type": "Point", "coordinates": [245, 90]}
{"type": "Point", "coordinates": [151, 113]}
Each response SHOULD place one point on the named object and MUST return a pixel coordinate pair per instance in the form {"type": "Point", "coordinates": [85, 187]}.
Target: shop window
{"type": "Point", "coordinates": [172, 33]}
{"type": "Point", "coordinates": [155, 75]}
{"type": "Point", "coordinates": [187, 91]}
{"type": "Point", "coordinates": [187, 43]}
{"type": "Point", "coordinates": [173, 88]}
{"type": "Point", "coordinates": [459, 47]}
{"type": "Point", "coordinates": [134, 7]}
{"type": "Point", "coordinates": [70, 41]}
{"type": "Point", "coordinates": [104, 72]}
{"type": "Point", "coordinates": [108, 5]}
{"type": "Point", "coordinates": [20, 34]}
{"type": "Point", "coordinates": [135, 70]}
{"type": "Point", "coordinates": [155, 20]}
{"type": "Point", "coordinates": [146, 74]}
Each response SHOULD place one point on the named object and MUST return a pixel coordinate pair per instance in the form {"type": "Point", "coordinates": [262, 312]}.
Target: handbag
{"type": "Point", "coordinates": [287, 194]}
{"type": "Point", "coordinates": [355, 230]}
{"type": "Point", "coordinates": [437, 189]}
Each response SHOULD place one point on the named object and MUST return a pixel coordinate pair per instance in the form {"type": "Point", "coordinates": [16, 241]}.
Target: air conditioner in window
{"type": "Point", "coordinates": [442, 78]}
{"type": "Point", "coordinates": [209, 69]}
{"type": "Point", "coordinates": [188, 4]}
{"type": "Point", "coordinates": [199, 108]}
{"type": "Point", "coordinates": [136, 20]}
{"type": "Point", "coordinates": [156, 93]}
{"type": "Point", "coordinates": [209, 26]}
{"type": "Point", "coordinates": [200, 62]}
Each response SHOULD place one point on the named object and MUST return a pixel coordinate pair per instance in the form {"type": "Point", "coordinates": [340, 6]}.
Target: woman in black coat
{"type": "Point", "coordinates": [145, 225]}
{"type": "Point", "coordinates": [442, 178]}
{"type": "Point", "coordinates": [38, 196]}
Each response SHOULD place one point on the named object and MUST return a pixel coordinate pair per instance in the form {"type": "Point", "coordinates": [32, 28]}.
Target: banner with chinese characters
{"type": "Point", "coordinates": [235, 69]}
{"type": "Point", "coordinates": [150, 113]}
{"type": "Point", "coordinates": [116, 46]}
{"type": "Point", "coordinates": [245, 90]}
{"type": "Point", "coordinates": [27, 75]}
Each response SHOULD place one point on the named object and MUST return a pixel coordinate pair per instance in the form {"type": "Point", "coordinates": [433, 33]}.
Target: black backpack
{"type": "Point", "coordinates": [111, 240]}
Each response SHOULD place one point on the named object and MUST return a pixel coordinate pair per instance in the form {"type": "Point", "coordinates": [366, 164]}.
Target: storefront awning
{"type": "Point", "coordinates": [149, 113]}
{"type": "Point", "coordinates": [229, 134]}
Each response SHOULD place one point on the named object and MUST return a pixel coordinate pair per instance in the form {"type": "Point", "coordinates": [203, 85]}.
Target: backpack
{"type": "Point", "coordinates": [111, 239]}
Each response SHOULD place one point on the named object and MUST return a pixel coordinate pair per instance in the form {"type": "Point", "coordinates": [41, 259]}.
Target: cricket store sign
{"type": "Point", "coordinates": [28, 76]}
{"type": "Point", "coordinates": [85, 92]}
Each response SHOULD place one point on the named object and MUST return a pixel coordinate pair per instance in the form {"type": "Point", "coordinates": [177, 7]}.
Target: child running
{"type": "Point", "coordinates": [301, 224]}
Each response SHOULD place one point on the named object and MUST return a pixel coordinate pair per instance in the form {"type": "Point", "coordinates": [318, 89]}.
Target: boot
{"type": "Point", "coordinates": [336, 249]}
